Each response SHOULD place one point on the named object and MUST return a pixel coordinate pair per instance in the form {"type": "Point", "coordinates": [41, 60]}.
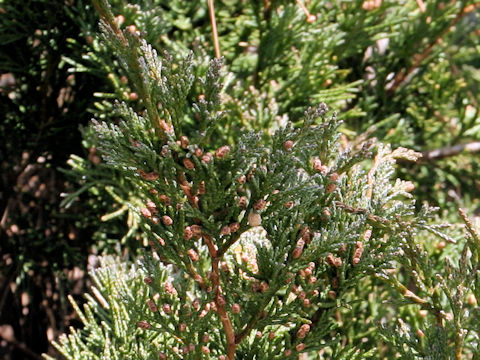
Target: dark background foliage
{"type": "Point", "coordinates": [43, 246]}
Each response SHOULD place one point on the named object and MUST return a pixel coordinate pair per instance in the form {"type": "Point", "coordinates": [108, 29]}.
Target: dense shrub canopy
{"type": "Point", "coordinates": [398, 73]}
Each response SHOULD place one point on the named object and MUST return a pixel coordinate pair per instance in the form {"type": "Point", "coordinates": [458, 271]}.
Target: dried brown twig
{"type": "Point", "coordinates": [213, 21]}
{"type": "Point", "coordinates": [220, 299]}
{"type": "Point", "coordinates": [447, 151]}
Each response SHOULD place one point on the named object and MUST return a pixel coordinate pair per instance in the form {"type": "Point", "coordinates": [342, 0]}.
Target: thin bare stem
{"type": "Point", "coordinates": [220, 299]}
{"type": "Point", "coordinates": [229, 243]}
{"type": "Point", "coordinates": [447, 151]}
{"type": "Point", "coordinates": [303, 7]}
{"type": "Point", "coordinates": [213, 21]}
{"type": "Point", "coordinates": [252, 322]}
{"type": "Point", "coordinates": [196, 276]}
{"type": "Point", "coordinates": [421, 6]}
{"type": "Point", "coordinates": [374, 218]}
{"type": "Point", "coordinates": [371, 176]}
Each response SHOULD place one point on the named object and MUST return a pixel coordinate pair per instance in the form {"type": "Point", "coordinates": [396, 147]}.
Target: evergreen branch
{"type": "Point", "coordinates": [130, 49]}
{"type": "Point", "coordinates": [402, 76]}
{"type": "Point", "coordinates": [213, 22]}
{"type": "Point", "coordinates": [471, 229]}
{"type": "Point", "coordinates": [474, 235]}
{"type": "Point", "coordinates": [402, 289]}
{"type": "Point", "coordinates": [314, 320]}
{"type": "Point", "coordinates": [290, 179]}
{"type": "Point", "coordinates": [106, 15]}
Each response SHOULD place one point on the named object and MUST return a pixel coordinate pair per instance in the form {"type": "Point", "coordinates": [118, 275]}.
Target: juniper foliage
{"type": "Point", "coordinates": [263, 244]}
{"type": "Point", "coordinates": [400, 72]}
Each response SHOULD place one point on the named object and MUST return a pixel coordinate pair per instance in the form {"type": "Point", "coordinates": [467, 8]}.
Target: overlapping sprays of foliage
{"type": "Point", "coordinates": [267, 244]}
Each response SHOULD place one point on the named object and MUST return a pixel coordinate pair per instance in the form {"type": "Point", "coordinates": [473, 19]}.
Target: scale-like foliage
{"type": "Point", "coordinates": [287, 239]}
{"type": "Point", "coordinates": [268, 238]}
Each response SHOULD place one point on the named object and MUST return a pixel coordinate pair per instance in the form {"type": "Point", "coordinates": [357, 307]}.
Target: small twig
{"type": "Point", "coordinates": [362, 211]}
{"type": "Point", "coordinates": [266, 4]}
{"type": "Point", "coordinates": [252, 322]}
{"type": "Point", "coordinates": [212, 249]}
{"type": "Point", "coordinates": [436, 154]}
{"type": "Point", "coordinates": [213, 21]}
{"type": "Point", "coordinates": [447, 151]}
{"type": "Point", "coordinates": [107, 17]}
{"type": "Point", "coordinates": [371, 176]}
{"type": "Point", "coordinates": [471, 229]}
{"type": "Point", "coordinates": [308, 15]}
{"type": "Point", "coordinates": [196, 276]}
{"type": "Point", "coordinates": [458, 342]}
{"type": "Point", "coordinates": [402, 76]}
{"type": "Point", "coordinates": [220, 299]}
{"type": "Point", "coordinates": [421, 6]}
{"type": "Point", "coordinates": [229, 243]}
